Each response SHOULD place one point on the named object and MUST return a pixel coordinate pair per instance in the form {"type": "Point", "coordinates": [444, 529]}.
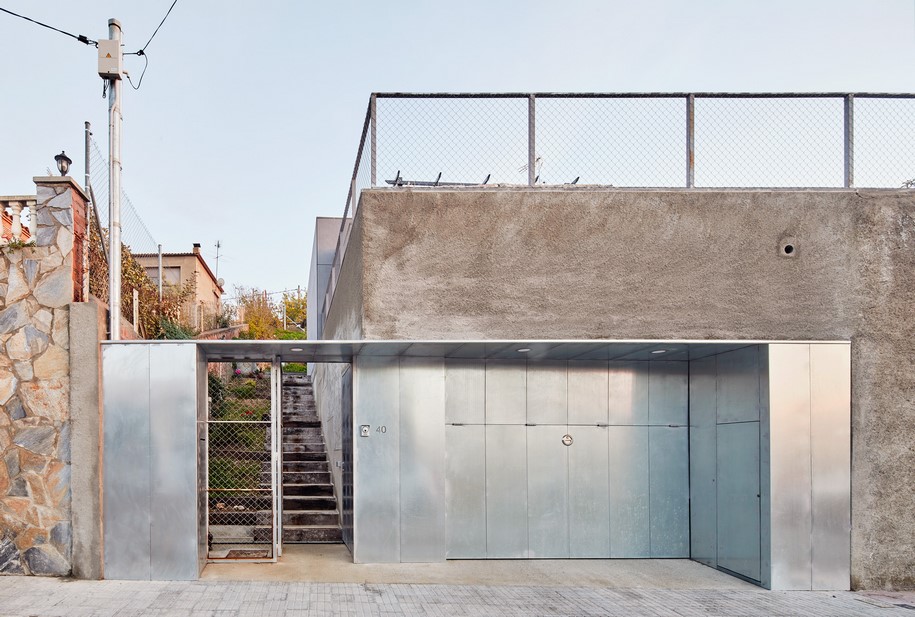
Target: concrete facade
{"type": "Point", "coordinates": [510, 263]}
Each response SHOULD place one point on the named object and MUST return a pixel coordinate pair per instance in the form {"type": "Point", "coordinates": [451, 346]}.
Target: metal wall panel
{"type": "Point", "coordinates": [376, 468]}
{"type": "Point", "coordinates": [589, 393]}
{"type": "Point", "coordinates": [547, 393]}
{"type": "Point", "coordinates": [547, 492]}
{"type": "Point", "coordinates": [506, 491]}
{"type": "Point", "coordinates": [668, 393]}
{"type": "Point", "coordinates": [738, 498]}
{"type": "Point", "coordinates": [422, 459]}
{"type": "Point", "coordinates": [669, 491]}
{"type": "Point", "coordinates": [628, 393]}
{"type": "Point", "coordinates": [589, 491]}
{"type": "Point", "coordinates": [830, 428]}
{"type": "Point", "coordinates": [738, 385]}
{"type": "Point", "coordinates": [629, 516]}
{"type": "Point", "coordinates": [173, 462]}
{"type": "Point", "coordinates": [506, 392]}
{"type": "Point", "coordinates": [465, 491]}
{"type": "Point", "coordinates": [125, 381]}
{"type": "Point", "coordinates": [789, 455]}
{"type": "Point", "coordinates": [765, 465]}
{"type": "Point", "coordinates": [703, 461]}
{"type": "Point", "coordinates": [465, 391]}
{"type": "Point", "coordinates": [202, 471]}
{"type": "Point", "coordinates": [346, 422]}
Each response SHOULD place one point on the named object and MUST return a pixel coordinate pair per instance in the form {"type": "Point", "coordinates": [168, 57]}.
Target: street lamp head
{"type": "Point", "coordinates": [63, 163]}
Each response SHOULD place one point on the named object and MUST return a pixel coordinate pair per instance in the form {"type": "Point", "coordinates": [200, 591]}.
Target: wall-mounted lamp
{"type": "Point", "coordinates": [63, 163]}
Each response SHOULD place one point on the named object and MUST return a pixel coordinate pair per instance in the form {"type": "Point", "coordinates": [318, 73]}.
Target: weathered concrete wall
{"type": "Point", "coordinates": [345, 323]}
{"type": "Point", "coordinates": [37, 284]}
{"type": "Point", "coordinates": [593, 264]}
{"type": "Point", "coordinates": [87, 326]}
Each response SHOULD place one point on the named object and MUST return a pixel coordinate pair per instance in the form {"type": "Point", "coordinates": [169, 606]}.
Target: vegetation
{"type": "Point", "coordinates": [295, 367]}
{"type": "Point", "coordinates": [256, 310]}
{"type": "Point", "coordinates": [158, 319]}
{"type": "Point", "coordinates": [296, 309]}
{"type": "Point", "coordinates": [228, 473]}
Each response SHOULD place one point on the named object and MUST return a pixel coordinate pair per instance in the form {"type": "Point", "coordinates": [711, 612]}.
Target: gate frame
{"type": "Point", "coordinates": [276, 466]}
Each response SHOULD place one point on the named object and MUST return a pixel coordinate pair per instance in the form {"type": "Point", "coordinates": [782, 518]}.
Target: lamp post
{"type": "Point", "coordinates": [63, 163]}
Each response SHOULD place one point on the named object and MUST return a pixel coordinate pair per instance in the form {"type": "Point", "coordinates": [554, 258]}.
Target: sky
{"type": "Point", "coordinates": [247, 122]}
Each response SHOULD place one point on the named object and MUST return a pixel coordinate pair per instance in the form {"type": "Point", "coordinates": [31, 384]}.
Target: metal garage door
{"type": "Point", "coordinates": [566, 459]}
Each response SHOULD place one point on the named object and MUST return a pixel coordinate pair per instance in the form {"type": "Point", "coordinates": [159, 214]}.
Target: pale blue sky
{"type": "Point", "coordinates": [247, 123]}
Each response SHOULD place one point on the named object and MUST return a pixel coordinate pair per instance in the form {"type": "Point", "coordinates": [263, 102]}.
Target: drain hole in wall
{"type": "Point", "coordinates": [788, 247]}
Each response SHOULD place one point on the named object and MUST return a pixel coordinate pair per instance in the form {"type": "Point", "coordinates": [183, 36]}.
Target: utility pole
{"type": "Point", "coordinates": [111, 62]}
{"type": "Point", "coordinates": [160, 273]}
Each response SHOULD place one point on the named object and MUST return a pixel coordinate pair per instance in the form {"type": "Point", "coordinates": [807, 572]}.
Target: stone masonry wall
{"type": "Point", "coordinates": [36, 287]}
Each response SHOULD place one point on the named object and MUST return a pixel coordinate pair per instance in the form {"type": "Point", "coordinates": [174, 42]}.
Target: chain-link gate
{"type": "Point", "coordinates": [243, 461]}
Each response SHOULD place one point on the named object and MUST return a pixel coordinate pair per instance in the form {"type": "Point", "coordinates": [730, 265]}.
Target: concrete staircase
{"type": "Point", "coordinates": [310, 513]}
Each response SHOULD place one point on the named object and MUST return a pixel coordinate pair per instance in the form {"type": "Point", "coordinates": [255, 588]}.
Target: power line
{"type": "Point", "coordinates": [143, 50]}
{"type": "Point", "coordinates": [145, 66]}
{"type": "Point", "coordinates": [79, 37]}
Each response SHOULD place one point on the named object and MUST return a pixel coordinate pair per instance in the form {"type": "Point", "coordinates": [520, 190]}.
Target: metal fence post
{"type": "Point", "coordinates": [531, 140]}
{"type": "Point", "coordinates": [373, 111]}
{"type": "Point", "coordinates": [354, 201]}
{"type": "Point", "coordinates": [849, 140]}
{"type": "Point", "coordinates": [690, 140]}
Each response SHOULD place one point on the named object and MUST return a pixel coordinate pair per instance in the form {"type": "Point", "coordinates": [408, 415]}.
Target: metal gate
{"type": "Point", "coordinates": [243, 461]}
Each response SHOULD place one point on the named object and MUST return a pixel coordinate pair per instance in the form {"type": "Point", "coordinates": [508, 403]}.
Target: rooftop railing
{"type": "Point", "coordinates": [657, 140]}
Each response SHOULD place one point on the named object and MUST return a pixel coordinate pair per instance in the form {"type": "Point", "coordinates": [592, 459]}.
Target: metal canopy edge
{"type": "Point", "coordinates": [563, 349]}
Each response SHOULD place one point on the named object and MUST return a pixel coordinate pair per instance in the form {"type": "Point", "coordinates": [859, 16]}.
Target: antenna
{"type": "Point", "coordinates": [218, 244]}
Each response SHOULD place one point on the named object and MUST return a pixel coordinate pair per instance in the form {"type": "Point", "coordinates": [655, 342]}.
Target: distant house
{"type": "Point", "coordinates": [180, 268]}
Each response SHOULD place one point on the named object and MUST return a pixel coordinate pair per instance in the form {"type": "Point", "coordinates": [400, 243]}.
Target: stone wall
{"type": "Point", "coordinates": [37, 284]}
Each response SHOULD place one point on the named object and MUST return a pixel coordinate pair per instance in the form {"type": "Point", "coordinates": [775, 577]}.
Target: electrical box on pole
{"type": "Point", "coordinates": [110, 59]}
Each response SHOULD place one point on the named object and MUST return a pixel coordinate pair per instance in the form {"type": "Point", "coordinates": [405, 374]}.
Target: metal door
{"type": "Point", "coordinates": [243, 461]}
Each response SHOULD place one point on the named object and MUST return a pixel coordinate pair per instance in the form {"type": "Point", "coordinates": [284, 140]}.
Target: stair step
{"type": "Point", "coordinates": [299, 478]}
{"type": "Point", "coordinates": [306, 477]}
{"type": "Point", "coordinates": [303, 430]}
{"type": "Point", "coordinates": [291, 457]}
{"type": "Point", "coordinates": [296, 438]}
{"type": "Point", "coordinates": [294, 490]}
{"type": "Point", "coordinates": [304, 447]}
{"type": "Point", "coordinates": [312, 534]}
{"type": "Point", "coordinates": [305, 466]}
{"type": "Point", "coordinates": [308, 502]}
{"type": "Point", "coordinates": [301, 534]}
{"type": "Point", "coordinates": [311, 517]}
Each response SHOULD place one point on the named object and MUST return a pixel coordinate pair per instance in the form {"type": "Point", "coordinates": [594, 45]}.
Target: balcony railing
{"type": "Point", "coordinates": [12, 209]}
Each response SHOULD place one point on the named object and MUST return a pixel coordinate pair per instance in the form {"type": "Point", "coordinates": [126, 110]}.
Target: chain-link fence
{"type": "Point", "coordinates": [688, 140]}
{"type": "Point", "coordinates": [133, 231]}
{"type": "Point", "coordinates": [241, 467]}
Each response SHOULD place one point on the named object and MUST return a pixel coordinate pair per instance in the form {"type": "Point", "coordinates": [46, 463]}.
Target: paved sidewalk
{"type": "Point", "coordinates": [26, 596]}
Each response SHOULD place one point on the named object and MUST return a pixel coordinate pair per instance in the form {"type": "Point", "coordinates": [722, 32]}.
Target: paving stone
{"type": "Point", "coordinates": [21, 596]}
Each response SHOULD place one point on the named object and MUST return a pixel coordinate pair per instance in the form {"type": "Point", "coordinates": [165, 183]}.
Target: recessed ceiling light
{"type": "Point", "coordinates": [659, 351]}
{"type": "Point", "coordinates": [524, 350]}
{"type": "Point", "coordinates": [296, 349]}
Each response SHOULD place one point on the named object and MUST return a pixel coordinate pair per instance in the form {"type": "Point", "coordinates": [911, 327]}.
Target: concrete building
{"type": "Point", "coordinates": [516, 263]}
{"type": "Point", "coordinates": [202, 308]}
{"type": "Point", "coordinates": [569, 370]}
